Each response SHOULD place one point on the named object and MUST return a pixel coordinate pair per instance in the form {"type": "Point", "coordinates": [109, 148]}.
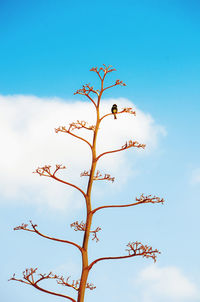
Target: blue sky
{"type": "Point", "coordinates": [47, 49]}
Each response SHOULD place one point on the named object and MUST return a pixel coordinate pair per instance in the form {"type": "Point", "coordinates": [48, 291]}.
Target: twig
{"type": "Point", "coordinates": [140, 200]}
{"type": "Point", "coordinates": [127, 145]}
{"type": "Point", "coordinates": [105, 70]}
{"type": "Point", "coordinates": [34, 229]}
{"type": "Point", "coordinates": [64, 130]}
{"type": "Point", "coordinates": [28, 278]}
{"type": "Point", "coordinates": [82, 227]}
{"type": "Point", "coordinates": [118, 82]}
{"type": "Point", "coordinates": [79, 125]}
{"type": "Point", "coordinates": [98, 176]}
{"type": "Point", "coordinates": [86, 90]}
{"type": "Point", "coordinates": [46, 171]}
{"type": "Point", "coordinates": [135, 249]}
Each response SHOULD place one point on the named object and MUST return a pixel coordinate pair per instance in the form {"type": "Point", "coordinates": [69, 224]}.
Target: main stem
{"type": "Point", "coordinates": [85, 269]}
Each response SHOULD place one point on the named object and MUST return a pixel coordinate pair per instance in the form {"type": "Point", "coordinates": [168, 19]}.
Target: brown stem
{"type": "Point", "coordinates": [126, 146]}
{"type": "Point", "coordinates": [53, 293]}
{"type": "Point", "coordinates": [140, 200]}
{"type": "Point", "coordinates": [55, 239]}
{"type": "Point", "coordinates": [118, 257]}
{"type": "Point", "coordinates": [46, 171]}
{"type": "Point", "coordinates": [70, 184]}
{"type": "Point", "coordinates": [116, 206]}
{"type": "Point", "coordinates": [89, 97]}
{"type": "Point", "coordinates": [108, 152]}
{"type": "Point", "coordinates": [79, 137]}
{"type": "Point", "coordinates": [85, 270]}
{"type": "Point", "coordinates": [110, 86]}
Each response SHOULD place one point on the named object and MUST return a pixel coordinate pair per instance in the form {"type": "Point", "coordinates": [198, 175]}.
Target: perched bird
{"type": "Point", "coordinates": [114, 110]}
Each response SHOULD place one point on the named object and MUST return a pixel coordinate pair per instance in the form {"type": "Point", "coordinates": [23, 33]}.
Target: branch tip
{"type": "Point", "coordinates": [98, 176]}
{"type": "Point", "coordinates": [82, 227]}
{"type": "Point", "coordinates": [138, 249]}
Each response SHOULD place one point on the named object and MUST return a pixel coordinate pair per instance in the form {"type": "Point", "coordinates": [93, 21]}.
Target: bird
{"type": "Point", "coordinates": [114, 110]}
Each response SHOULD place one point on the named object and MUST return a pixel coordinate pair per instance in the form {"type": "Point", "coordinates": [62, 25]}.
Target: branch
{"type": "Point", "coordinates": [127, 145]}
{"type": "Point", "coordinates": [149, 199]}
{"type": "Point", "coordinates": [34, 229]}
{"type": "Point", "coordinates": [79, 125]}
{"type": "Point", "coordinates": [135, 249]}
{"type": "Point", "coordinates": [63, 129]}
{"type": "Point", "coordinates": [82, 227]}
{"type": "Point", "coordinates": [124, 110]}
{"type": "Point", "coordinates": [95, 234]}
{"type": "Point", "coordinates": [46, 171]}
{"type": "Point", "coordinates": [98, 176]}
{"type": "Point", "coordinates": [86, 90]}
{"type": "Point", "coordinates": [140, 200]}
{"type": "Point", "coordinates": [105, 70]}
{"type": "Point", "coordinates": [118, 82]}
{"type": "Point", "coordinates": [78, 226]}
{"type": "Point", "coordinates": [97, 71]}
{"type": "Point", "coordinates": [75, 283]}
{"type": "Point", "coordinates": [28, 278]}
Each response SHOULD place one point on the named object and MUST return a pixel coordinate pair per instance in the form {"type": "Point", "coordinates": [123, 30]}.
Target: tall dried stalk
{"type": "Point", "coordinates": [134, 248]}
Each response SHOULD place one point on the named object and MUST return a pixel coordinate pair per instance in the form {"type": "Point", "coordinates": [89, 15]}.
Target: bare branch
{"type": "Point", "coordinates": [95, 233]}
{"type": "Point", "coordinates": [118, 82]}
{"type": "Point", "coordinates": [98, 176]}
{"type": "Point", "coordinates": [138, 249]}
{"type": "Point", "coordinates": [45, 276]}
{"type": "Point", "coordinates": [64, 130]}
{"type": "Point", "coordinates": [35, 230]}
{"type": "Point", "coordinates": [140, 200]}
{"type": "Point", "coordinates": [23, 226]}
{"type": "Point", "coordinates": [86, 90]}
{"type": "Point", "coordinates": [79, 125]}
{"type": "Point", "coordinates": [105, 70]}
{"type": "Point", "coordinates": [90, 286]}
{"type": "Point", "coordinates": [78, 226]}
{"type": "Point", "coordinates": [135, 144]}
{"type": "Point", "coordinates": [127, 145]}
{"type": "Point", "coordinates": [124, 110]}
{"type": "Point", "coordinates": [128, 110]}
{"type": "Point", "coordinates": [28, 278]}
{"type": "Point", "coordinates": [20, 280]}
{"type": "Point", "coordinates": [75, 283]}
{"type": "Point", "coordinates": [85, 173]}
{"type": "Point", "coordinates": [46, 171]}
{"type": "Point", "coordinates": [58, 167]}
{"type": "Point", "coordinates": [95, 70]}
{"type": "Point", "coordinates": [149, 199]}
{"type": "Point", "coordinates": [82, 227]}
{"type": "Point", "coordinates": [135, 249]}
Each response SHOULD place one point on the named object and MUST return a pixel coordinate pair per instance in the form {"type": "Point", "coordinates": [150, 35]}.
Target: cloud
{"type": "Point", "coordinates": [28, 140]}
{"type": "Point", "coordinates": [166, 284]}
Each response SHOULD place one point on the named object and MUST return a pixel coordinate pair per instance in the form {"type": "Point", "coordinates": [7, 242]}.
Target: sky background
{"type": "Point", "coordinates": [46, 51]}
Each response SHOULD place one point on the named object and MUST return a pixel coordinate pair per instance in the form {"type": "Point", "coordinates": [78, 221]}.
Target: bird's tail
{"type": "Point", "coordinates": [115, 117]}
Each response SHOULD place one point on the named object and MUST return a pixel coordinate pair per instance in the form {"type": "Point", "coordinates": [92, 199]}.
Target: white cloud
{"type": "Point", "coordinates": [28, 140]}
{"type": "Point", "coordinates": [166, 284]}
